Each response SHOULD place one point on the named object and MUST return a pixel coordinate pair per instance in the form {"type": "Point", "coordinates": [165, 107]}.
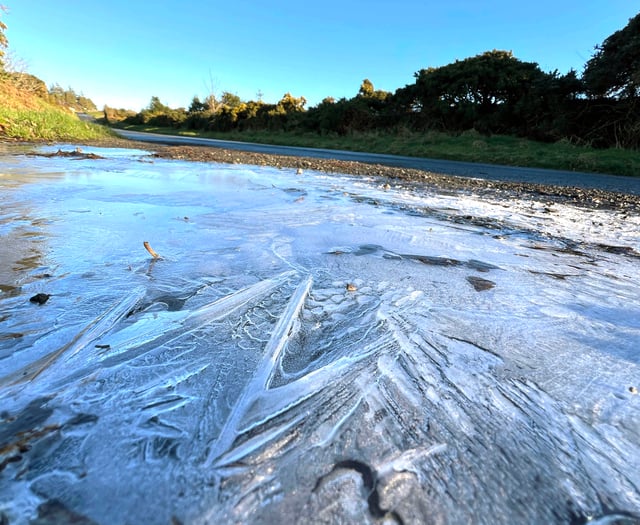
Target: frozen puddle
{"type": "Point", "coordinates": [310, 348]}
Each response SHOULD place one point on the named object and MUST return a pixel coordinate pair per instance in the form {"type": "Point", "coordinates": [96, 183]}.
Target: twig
{"type": "Point", "coordinates": [150, 250]}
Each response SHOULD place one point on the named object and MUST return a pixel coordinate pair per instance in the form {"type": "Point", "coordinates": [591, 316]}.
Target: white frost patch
{"type": "Point", "coordinates": [451, 350]}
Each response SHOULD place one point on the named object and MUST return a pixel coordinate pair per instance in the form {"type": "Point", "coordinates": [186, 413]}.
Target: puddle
{"type": "Point", "coordinates": [308, 345]}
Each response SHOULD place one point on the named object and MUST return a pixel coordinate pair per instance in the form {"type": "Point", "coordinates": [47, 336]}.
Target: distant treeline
{"type": "Point", "coordinates": [492, 93]}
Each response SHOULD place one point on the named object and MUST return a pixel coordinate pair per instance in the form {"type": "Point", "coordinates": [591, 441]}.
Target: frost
{"type": "Point", "coordinates": [364, 355]}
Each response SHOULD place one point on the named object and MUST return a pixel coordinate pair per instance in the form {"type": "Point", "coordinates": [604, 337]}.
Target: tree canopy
{"type": "Point", "coordinates": [486, 80]}
{"type": "Point", "coordinates": [614, 69]}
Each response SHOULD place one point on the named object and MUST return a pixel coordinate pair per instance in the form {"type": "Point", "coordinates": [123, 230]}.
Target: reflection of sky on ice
{"type": "Point", "coordinates": [483, 368]}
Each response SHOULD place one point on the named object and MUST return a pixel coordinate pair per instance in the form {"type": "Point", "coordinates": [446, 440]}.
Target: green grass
{"type": "Point", "coordinates": [468, 146]}
{"type": "Point", "coordinates": [48, 124]}
{"type": "Point", "coordinates": [26, 116]}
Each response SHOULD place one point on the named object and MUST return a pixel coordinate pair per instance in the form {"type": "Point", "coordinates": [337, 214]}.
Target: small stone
{"type": "Point", "coordinates": [40, 298]}
{"type": "Point", "coordinates": [479, 284]}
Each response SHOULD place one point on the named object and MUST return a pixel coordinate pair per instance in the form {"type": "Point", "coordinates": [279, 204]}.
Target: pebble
{"type": "Point", "coordinates": [40, 298]}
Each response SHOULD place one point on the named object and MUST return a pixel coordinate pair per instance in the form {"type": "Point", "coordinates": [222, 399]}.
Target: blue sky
{"type": "Point", "coordinates": [123, 52]}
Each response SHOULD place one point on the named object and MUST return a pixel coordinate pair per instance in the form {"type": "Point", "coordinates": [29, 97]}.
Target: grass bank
{"type": "Point", "coordinates": [469, 146]}
{"type": "Point", "coordinates": [25, 116]}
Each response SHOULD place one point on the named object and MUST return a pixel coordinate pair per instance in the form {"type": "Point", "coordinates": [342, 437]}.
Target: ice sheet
{"type": "Point", "coordinates": [315, 347]}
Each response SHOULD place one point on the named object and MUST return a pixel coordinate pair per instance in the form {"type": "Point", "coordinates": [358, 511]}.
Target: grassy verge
{"type": "Point", "coordinates": [25, 116]}
{"type": "Point", "coordinates": [48, 124]}
{"type": "Point", "coordinates": [469, 146]}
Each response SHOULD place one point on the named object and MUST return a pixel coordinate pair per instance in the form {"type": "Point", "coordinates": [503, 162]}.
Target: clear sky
{"type": "Point", "coordinates": [123, 52]}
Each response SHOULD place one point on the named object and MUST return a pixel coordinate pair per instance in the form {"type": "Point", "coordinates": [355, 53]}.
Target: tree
{"type": "Point", "coordinates": [488, 91]}
{"type": "Point", "coordinates": [486, 80]}
{"type": "Point", "coordinates": [211, 100]}
{"type": "Point", "coordinates": [70, 99]}
{"type": "Point", "coordinates": [85, 104]}
{"type": "Point", "coordinates": [366, 88]}
{"type": "Point", "coordinates": [196, 106]}
{"type": "Point", "coordinates": [210, 103]}
{"type": "Point", "coordinates": [291, 104]}
{"type": "Point", "coordinates": [157, 107]}
{"type": "Point", "coordinates": [327, 116]}
{"type": "Point", "coordinates": [158, 114]}
{"type": "Point", "coordinates": [373, 96]}
{"type": "Point", "coordinates": [614, 69]}
{"type": "Point", "coordinates": [3, 38]}
{"type": "Point", "coordinates": [230, 99]}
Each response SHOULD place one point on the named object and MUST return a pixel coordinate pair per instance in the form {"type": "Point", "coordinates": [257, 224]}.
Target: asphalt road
{"type": "Point", "coordinates": [448, 167]}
